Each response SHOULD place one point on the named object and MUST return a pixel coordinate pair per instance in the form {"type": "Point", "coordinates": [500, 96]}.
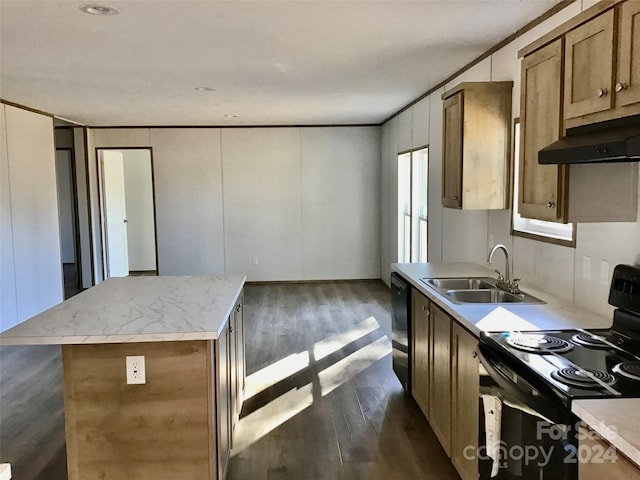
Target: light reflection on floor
{"type": "Point", "coordinates": [270, 416]}
{"type": "Point", "coordinates": [330, 345]}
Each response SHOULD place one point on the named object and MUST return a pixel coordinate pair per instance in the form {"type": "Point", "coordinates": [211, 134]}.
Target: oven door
{"type": "Point", "coordinates": [524, 432]}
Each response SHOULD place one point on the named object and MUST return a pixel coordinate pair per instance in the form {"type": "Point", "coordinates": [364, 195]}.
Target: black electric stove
{"type": "Point", "coordinates": [576, 364]}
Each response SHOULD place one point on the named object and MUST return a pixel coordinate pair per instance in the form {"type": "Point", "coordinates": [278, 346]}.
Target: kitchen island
{"type": "Point", "coordinates": [179, 422]}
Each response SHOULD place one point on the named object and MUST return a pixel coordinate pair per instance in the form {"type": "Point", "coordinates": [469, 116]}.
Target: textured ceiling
{"type": "Point", "coordinates": [270, 62]}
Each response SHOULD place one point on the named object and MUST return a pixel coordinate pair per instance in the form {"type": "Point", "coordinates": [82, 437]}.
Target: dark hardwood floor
{"type": "Point", "coordinates": [322, 400]}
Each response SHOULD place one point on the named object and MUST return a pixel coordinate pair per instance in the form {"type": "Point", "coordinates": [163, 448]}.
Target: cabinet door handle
{"type": "Point", "coordinates": [475, 354]}
{"type": "Point", "coordinates": [230, 329]}
{"type": "Point", "coordinates": [423, 308]}
{"type": "Point", "coordinates": [238, 307]}
{"type": "Point", "coordinates": [551, 204]}
{"type": "Point", "coordinates": [455, 197]}
{"type": "Point", "coordinates": [620, 86]}
{"type": "Point", "coordinates": [602, 92]}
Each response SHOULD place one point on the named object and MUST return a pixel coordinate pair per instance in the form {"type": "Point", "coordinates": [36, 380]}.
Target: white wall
{"type": "Point", "coordinates": [31, 259]}
{"type": "Point", "coordinates": [65, 205]}
{"type": "Point", "coordinates": [340, 192]}
{"type": "Point", "coordinates": [467, 235]}
{"type": "Point", "coordinates": [304, 201]}
{"type": "Point", "coordinates": [138, 193]}
{"type": "Point", "coordinates": [262, 202]}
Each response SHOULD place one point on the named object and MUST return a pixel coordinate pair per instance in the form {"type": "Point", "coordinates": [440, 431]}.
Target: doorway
{"type": "Point", "coordinates": [127, 211]}
{"type": "Point", "coordinates": [68, 219]}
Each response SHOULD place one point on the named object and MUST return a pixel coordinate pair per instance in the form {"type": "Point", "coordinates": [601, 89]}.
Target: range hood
{"type": "Point", "coordinates": [599, 143]}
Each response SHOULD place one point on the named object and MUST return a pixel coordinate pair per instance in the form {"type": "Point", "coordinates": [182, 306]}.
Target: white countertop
{"type": "Point", "coordinates": [555, 314]}
{"type": "Point", "coordinates": [135, 309]}
{"type": "Point", "coordinates": [5, 471]}
{"type": "Point", "coordinates": [615, 420]}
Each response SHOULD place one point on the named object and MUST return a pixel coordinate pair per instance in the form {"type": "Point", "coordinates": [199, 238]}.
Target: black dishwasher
{"type": "Point", "coordinates": [401, 329]}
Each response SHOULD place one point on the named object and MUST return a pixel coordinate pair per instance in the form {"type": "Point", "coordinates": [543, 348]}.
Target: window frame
{"type": "Point", "coordinates": [410, 152]}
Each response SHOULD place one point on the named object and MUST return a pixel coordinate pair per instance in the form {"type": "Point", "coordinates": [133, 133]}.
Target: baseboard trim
{"type": "Point", "coordinates": [293, 282]}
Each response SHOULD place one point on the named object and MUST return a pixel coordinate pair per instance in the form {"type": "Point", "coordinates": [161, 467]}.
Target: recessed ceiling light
{"type": "Point", "coordinates": [205, 89]}
{"type": "Point", "coordinates": [231, 115]}
{"type": "Point", "coordinates": [95, 9]}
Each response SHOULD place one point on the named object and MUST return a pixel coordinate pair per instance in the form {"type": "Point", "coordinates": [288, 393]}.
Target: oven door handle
{"type": "Point", "coordinates": [529, 395]}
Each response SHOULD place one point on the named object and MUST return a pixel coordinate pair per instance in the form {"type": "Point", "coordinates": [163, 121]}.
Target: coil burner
{"type": "Point", "coordinates": [538, 343]}
{"type": "Point", "coordinates": [595, 341]}
{"type": "Point", "coordinates": [578, 377]}
{"type": "Point", "coordinates": [629, 370]}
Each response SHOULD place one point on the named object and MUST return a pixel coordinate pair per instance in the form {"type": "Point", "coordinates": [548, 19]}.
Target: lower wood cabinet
{"type": "Point", "coordinates": [445, 381]}
{"type": "Point", "coordinates": [465, 404]}
{"type": "Point", "coordinates": [230, 380]}
{"type": "Point", "coordinates": [421, 348]}
{"type": "Point", "coordinates": [599, 460]}
{"type": "Point", "coordinates": [440, 405]}
{"type": "Point", "coordinates": [223, 400]}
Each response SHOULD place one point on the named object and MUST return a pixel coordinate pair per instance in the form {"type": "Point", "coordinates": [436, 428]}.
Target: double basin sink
{"type": "Point", "coordinates": [477, 290]}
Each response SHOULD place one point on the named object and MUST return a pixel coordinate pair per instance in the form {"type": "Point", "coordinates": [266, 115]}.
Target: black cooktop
{"type": "Point", "coordinates": [576, 363]}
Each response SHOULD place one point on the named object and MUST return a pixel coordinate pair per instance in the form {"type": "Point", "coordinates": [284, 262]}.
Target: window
{"type": "Point", "coordinates": [413, 169]}
{"type": "Point", "coordinates": [541, 230]}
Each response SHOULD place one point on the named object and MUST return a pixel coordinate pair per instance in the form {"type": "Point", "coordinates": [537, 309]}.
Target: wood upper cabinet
{"type": "Point", "coordinates": [627, 87]}
{"type": "Point", "coordinates": [465, 405]}
{"type": "Point", "coordinates": [452, 152]}
{"type": "Point", "coordinates": [476, 145]}
{"type": "Point", "coordinates": [440, 395]}
{"type": "Point", "coordinates": [602, 67]}
{"type": "Point", "coordinates": [589, 63]}
{"type": "Point", "coordinates": [421, 328]}
{"type": "Point", "coordinates": [542, 188]}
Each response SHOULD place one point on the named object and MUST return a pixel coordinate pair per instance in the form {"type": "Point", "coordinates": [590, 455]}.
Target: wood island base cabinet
{"type": "Point", "coordinates": [179, 424]}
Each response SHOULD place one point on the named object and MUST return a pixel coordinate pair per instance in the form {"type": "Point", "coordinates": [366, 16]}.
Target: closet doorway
{"type": "Point", "coordinates": [68, 218]}
{"type": "Point", "coordinates": [127, 211]}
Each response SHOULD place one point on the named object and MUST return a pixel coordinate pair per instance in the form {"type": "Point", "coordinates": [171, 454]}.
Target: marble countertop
{"type": "Point", "coordinates": [555, 314]}
{"type": "Point", "coordinates": [135, 309]}
{"type": "Point", "coordinates": [616, 421]}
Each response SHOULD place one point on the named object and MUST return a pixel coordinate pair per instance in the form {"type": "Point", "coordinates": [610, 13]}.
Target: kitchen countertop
{"type": "Point", "coordinates": [135, 309]}
{"type": "Point", "coordinates": [608, 417]}
{"type": "Point", "coordinates": [616, 421]}
{"type": "Point", "coordinates": [555, 314]}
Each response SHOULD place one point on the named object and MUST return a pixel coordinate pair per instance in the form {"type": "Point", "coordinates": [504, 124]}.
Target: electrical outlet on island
{"type": "Point", "coordinates": [135, 370]}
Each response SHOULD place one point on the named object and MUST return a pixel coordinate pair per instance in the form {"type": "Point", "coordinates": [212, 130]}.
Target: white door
{"type": "Point", "coordinates": [115, 213]}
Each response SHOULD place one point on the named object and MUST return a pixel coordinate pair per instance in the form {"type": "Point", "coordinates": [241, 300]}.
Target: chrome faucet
{"type": "Point", "coordinates": [504, 282]}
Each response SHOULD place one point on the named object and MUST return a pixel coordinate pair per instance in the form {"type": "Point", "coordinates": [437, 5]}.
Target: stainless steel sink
{"type": "Point", "coordinates": [484, 296]}
{"type": "Point", "coordinates": [471, 290]}
{"type": "Point", "coordinates": [470, 283]}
